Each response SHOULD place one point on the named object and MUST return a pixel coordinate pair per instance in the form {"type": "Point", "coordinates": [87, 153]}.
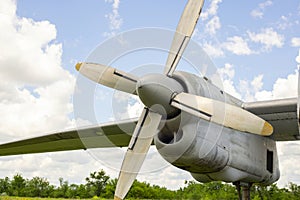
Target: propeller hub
{"type": "Point", "coordinates": [156, 92]}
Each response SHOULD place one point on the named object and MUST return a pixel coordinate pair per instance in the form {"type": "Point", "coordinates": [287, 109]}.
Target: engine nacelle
{"type": "Point", "coordinates": [211, 152]}
{"type": "Point", "coordinates": [190, 149]}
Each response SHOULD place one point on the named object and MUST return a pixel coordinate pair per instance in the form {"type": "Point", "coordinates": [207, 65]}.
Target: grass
{"type": "Point", "coordinates": [26, 198]}
{"type": "Point", "coordinates": [35, 198]}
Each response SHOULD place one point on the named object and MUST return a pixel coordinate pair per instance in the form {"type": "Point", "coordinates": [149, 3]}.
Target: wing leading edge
{"type": "Point", "coordinates": [115, 134]}
{"type": "Point", "coordinates": [282, 114]}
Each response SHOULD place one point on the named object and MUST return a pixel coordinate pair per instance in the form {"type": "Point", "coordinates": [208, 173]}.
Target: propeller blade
{"type": "Point", "coordinates": [108, 76]}
{"type": "Point", "coordinates": [140, 142]}
{"type": "Point", "coordinates": [183, 33]}
{"type": "Point", "coordinates": [234, 117]}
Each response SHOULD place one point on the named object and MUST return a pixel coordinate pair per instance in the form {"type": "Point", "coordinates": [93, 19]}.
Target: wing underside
{"type": "Point", "coordinates": [282, 114]}
{"type": "Point", "coordinates": [116, 134]}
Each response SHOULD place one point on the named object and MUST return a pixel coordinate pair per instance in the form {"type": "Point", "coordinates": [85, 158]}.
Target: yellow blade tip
{"type": "Point", "coordinates": [117, 198]}
{"type": "Point", "coordinates": [78, 65]}
{"type": "Point", "coordinates": [267, 129]}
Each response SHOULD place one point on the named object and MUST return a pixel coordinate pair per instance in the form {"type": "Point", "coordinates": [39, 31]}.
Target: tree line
{"type": "Point", "coordinates": [101, 185]}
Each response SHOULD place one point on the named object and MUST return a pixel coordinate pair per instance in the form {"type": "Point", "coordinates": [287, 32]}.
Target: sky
{"type": "Point", "coordinates": [255, 47]}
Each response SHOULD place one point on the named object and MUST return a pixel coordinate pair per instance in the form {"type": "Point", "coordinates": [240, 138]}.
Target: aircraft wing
{"type": "Point", "coordinates": [282, 114]}
{"type": "Point", "coordinates": [115, 134]}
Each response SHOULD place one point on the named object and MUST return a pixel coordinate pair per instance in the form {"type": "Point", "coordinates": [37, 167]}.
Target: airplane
{"type": "Point", "coordinates": [194, 125]}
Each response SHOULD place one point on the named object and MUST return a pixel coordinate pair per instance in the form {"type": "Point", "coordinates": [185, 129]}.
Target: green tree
{"type": "Point", "coordinates": [38, 187]}
{"type": "Point", "coordinates": [82, 191]}
{"type": "Point", "coordinates": [72, 191]}
{"type": "Point", "coordinates": [110, 188]}
{"type": "Point", "coordinates": [294, 189]}
{"type": "Point", "coordinates": [97, 181]}
{"type": "Point", "coordinates": [192, 190]}
{"type": "Point", "coordinates": [4, 185]}
{"type": "Point", "coordinates": [141, 190]}
{"type": "Point", "coordinates": [212, 190]}
{"type": "Point", "coordinates": [162, 192]}
{"type": "Point", "coordinates": [61, 191]}
{"type": "Point", "coordinates": [271, 192]}
{"type": "Point", "coordinates": [17, 185]}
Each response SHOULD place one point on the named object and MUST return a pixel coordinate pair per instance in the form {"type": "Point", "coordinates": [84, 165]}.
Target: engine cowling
{"type": "Point", "coordinates": [211, 152]}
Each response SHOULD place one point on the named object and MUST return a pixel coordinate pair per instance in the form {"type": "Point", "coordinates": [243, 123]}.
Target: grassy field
{"type": "Point", "coordinates": [24, 198]}
{"type": "Point", "coordinates": [29, 198]}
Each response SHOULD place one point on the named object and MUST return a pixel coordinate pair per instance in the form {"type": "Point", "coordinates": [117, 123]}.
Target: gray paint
{"type": "Point", "coordinates": [156, 90]}
{"type": "Point", "coordinates": [281, 114]}
{"type": "Point", "coordinates": [212, 152]}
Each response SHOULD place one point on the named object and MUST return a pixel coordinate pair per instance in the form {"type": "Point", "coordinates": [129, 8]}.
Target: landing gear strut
{"type": "Point", "coordinates": [245, 193]}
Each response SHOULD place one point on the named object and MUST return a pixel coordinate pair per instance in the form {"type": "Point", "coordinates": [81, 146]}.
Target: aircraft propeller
{"type": "Point", "coordinates": [158, 89]}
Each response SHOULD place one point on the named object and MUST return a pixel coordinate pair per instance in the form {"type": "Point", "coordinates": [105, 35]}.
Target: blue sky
{"type": "Point", "coordinates": [81, 26]}
{"type": "Point", "coordinates": [253, 44]}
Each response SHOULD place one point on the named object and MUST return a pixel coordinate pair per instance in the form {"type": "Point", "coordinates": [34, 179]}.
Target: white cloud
{"type": "Point", "coordinates": [35, 92]}
{"type": "Point", "coordinates": [288, 158]}
{"type": "Point", "coordinates": [227, 74]}
{"type": "Point", "coordinates": [265, 4]}
{"type": "Point", "coordinates": [115, 20]}
{"type": "Point", "coordinates": [245, 89]}
{"type": "Point", "coordinates": [252, 90]}
{"type": "Point", "coordinates": [230, 88]}
{"type": "Point", "coordinates": [267, 37]}
{"type": "Point", "coordinates": [35, 89]}
{"type": "Point", "coordinates": [126, 106]}
{"type": "Point", "coordinates": [135, 109]}
{"type": "Point", "coordinates": [248, 89]}
{"type": "Point", "coordinates": [295, 41]}
{"type": "Point", "coordinates": [237, 45]}
{"type": "Point", "coordinates": [38, 60]}
{"type": "Point", "coordinates": [210, 15]}
{"type": "Point", "coordinates": [213, 50]}
{"type": "Point", "coordinates": [213, 25]}
{"type": "Point", "coordinates": [282, 88]}
{"type": "Point", "coordinates": [7, 10]}
{"type": "Point", "coordinates": [257, 83]}
{"type": "Point", "coordinates": [284, 23]}
{"type": "Point", "coordinates": [72, 166]}
{"type": "Point", "coordinates": [212, 9]}
{"type": "Point", "coordinates": [256, 13]}
{"type": "Point", "coordinates": [259, 11]}
{"type": "Point", "coordinates": [264, 95]}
